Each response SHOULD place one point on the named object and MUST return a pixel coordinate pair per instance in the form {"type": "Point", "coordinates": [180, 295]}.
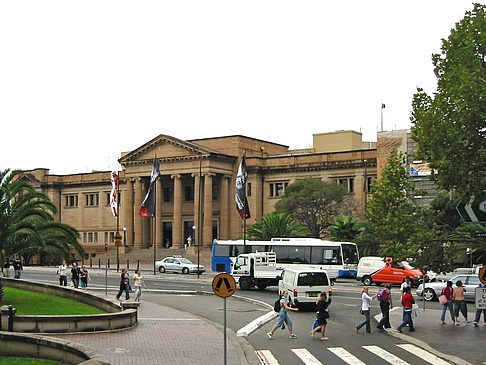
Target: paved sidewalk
{"type": "Point", "coordinates": [163, 336]}
{"type": "Point", "coordinates": [464, 344]}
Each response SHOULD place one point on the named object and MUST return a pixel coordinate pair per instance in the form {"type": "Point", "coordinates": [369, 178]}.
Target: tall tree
{"type": "Point", "coordinates": [27, 225]}
{"type": "Point", "coordinates": [391, 217]}
{"type": "Point", "coordinates": [316, 204]}
{"type": "Point", "coordinates": [277, 225]}
{"type": "Point", "coordinates": [450, 126]}
{"type": "Point", "coordinates": [345, 229]}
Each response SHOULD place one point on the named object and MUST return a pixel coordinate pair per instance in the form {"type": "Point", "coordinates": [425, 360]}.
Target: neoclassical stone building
{"type": "Point", "coordinates": [197, 186]}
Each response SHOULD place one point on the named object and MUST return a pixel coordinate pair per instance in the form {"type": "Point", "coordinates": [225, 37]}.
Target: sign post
{"type": "Point", "coordinates": [106, 269]}
{"type": "Point", "coordinates": [224, 286]}
{"type": "Point", "coordinates": [475, 210]}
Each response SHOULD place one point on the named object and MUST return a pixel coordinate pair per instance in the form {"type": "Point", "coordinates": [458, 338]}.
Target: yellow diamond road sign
{"type": "Point", "coordinates": [224, 285]}
{"type": "Point", "coordinates": [482, 275]}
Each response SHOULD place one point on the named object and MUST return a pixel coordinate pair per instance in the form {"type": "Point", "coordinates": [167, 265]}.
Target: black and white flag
{"type": "Point", "coordinates": [240, 194]}
{"type": "Point", "coordinates": [148, 204]}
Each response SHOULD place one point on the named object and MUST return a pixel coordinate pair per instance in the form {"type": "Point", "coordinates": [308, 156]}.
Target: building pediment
{"type": "Point", "coordinates": [165, 148]}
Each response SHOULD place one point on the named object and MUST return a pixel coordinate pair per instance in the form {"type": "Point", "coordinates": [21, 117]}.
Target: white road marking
{"type": "Point", "coordinates": [385, 355]}
{"type": "Point", "coordinates": [266, 357]}
{"type": "Point", "coordinates": [306, 357]}
{"type": "Point", "coordinates": [346, 356]}
{"type": "Point", "coordinates": [426, 356]}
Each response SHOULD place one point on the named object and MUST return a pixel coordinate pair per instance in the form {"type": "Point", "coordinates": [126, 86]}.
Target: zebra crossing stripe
{"type": "Point", "coordinates": [266, 357]}
{"type": "Point", "coordinates": [346, 356]}
{"type": "Point", "coordinates": [426, 356]}
{"type": "Point", "coordinates": [306, 357]}
{"type": "Point", "coordinates": [385, 355]}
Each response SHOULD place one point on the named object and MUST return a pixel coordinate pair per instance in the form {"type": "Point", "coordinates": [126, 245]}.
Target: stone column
{"type": "Point", "coordinates": [128, 211]}
{"type": "Point", "coordinates": [208, 210]}
{"type": "Point", "coordinates": [138, 226]}
{"type": "Point", "coordinates": [158, 212]}
{"type": "Point", "coordinates": [177, 239]}
{"type": "Point", "coordinates": [197, 194]}
{"type": "Point", "coordinates": [224, 209]}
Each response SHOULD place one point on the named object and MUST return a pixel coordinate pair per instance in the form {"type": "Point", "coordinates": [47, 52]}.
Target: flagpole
{"type": "Point", "coordinates": [382, 107]}
{"type": "Point", "coordinates": [154, 230]}
{"type": "Point", "coordinates": [117, 223]}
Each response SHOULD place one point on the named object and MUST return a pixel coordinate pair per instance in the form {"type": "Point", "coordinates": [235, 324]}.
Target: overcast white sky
{"type": "Point", "coordinates": [82, 81]}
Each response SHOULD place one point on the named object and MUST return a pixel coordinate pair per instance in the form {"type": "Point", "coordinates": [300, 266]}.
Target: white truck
{"type": "Point", "coordinates": [256, 269]}
{"type": "Point", "coordinates": [261, 269]}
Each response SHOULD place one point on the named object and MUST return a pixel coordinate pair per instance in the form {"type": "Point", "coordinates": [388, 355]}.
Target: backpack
{"type": "Point", "coordinates": [277, 306]}
{"type": "Point", "coordinates": [383, 295]}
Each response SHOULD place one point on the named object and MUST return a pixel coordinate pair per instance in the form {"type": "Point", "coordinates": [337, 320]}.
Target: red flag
{"type": "Point", "coordinates": [148, 204]}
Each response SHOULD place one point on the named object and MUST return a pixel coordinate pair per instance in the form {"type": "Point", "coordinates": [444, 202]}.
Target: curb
{"type": "Point", "coordinates": [422, 344]}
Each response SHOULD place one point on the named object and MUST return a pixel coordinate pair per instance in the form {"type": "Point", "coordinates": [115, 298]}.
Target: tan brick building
{"type": "Point", "coordinates": [197, 186]}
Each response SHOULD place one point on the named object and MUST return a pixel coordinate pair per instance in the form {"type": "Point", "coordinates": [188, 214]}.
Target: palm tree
{"type": "Point", "coordinates": [345, 229]}
{"type": "Point", "coordinates": [27, 225]}
{"type": "Point", "coordinates": [277, 225]}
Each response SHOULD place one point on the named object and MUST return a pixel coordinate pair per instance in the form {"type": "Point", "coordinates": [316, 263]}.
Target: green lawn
{"type": "Point", "coordinates": [33, 303]}
{"type": "Point", "coordinates": [25, 361]}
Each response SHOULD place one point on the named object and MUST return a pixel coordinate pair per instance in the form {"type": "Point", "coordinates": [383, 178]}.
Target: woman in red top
{"type": "Point", "coordinates": [407, 302]}
{"type": "Point", "coordinates": [447, 292]}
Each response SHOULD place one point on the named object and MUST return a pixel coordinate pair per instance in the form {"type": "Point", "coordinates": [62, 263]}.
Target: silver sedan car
{"type": "Point", "coordinates": [433, 289]}
{"type": "Point", "coordinates": [178, 264]}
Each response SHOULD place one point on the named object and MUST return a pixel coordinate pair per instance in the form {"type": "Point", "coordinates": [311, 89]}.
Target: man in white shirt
{"type": "Point", "coordinates": [405, 284]}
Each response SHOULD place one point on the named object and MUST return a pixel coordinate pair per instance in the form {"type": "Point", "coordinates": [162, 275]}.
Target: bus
{"type": "Point", "coordinates": [336, 256]}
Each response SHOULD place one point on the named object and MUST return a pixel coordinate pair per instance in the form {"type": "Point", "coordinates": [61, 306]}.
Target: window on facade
{"type": "Point", "coordinates": [90, 237]}
{"type": "Point", "coordinates": [351, 185]}
{"type": "Point", "coordinates": [72, 200]}
{"type": "Point", "coordinates": [189, 193]}
{"type": "Point", "coordinates": [92, 200]}
{"type": "Point", "coordinates": [368, 184]}
{"type": "Point", "coordinates": [215, 191]}
{"type": "Point", "coordinates": [107, 198]}
{"type": "Point", "coordinates": [85, 237]}
{"type": "Point", "coordinates": [167, 193]}
{"type": "Point", "coordinates": [277, 189]}
{"type": "Point", "coordinates": [248, 189]}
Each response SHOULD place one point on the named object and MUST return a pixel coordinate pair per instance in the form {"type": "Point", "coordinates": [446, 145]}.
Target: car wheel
{"type": "Point", "coordinates": [429, 294]}
{"type": "Point", "coordinates": [367, 280]}
{"type": "Point", "coordinates": [161, 269]}
{"type": "Point", "coordinates": [262, 286]}
{"type": "Point", "coordinates": [245, 284]}
{"type": "Point", "coordinates": [185, 270]}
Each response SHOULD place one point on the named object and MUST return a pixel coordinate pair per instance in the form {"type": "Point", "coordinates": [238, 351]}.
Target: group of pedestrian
{"type": "Point", "coordinates": [452, 299]}
{"type": "Point", "coordinates": [125, 286]}
{"type": "Point", "coordinates": [16, 263]}
{"type": "Point", "coordinates": [79, 276]}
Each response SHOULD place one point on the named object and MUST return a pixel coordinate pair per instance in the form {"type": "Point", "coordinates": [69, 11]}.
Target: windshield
{"type": "Point", "coordinates": [406, 265]}
{"type": "Point", "coordinates": [240, 261]}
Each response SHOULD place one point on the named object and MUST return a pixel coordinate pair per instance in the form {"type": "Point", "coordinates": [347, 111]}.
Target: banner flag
{"type": "Point", "coordinates": [148, 204]}
{"type": "Point", "coordinates": [240, 194]}
{"type": "Point", "coordinates": [114, 193]}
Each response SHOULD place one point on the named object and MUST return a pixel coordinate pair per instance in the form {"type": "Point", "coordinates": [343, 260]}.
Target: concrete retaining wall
{"type": "Point", "coordinates": [41, 347]}
{"type": "Point", "coordinates": [116, 318]}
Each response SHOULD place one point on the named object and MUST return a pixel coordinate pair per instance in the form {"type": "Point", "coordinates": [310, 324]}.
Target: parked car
{"type": "Point", "coordinates": [178, 264]}
{"type": "Point", "coordinates": [433, 289]}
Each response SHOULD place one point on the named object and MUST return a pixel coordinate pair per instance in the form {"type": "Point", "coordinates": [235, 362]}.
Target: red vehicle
{"type": "Point", "coordinates": [371, 270]}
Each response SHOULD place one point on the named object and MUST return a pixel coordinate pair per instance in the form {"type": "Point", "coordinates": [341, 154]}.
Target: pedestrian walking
{"type": "Point", "coordinates": [283, 316]}
{"type": "Point", "coordinates": [446, 294]}
{"type": "Point", "coordinates": [322, 315]}
{"type": "Point", "coordinates": [6, 268]}
{"type": "Point", "coordinates": [365, 309]}
{"type": "Point", "coordinates": [479, 311]}
{"type": "Point", "coordinates": [62, 273]}
{"type": "Point", "coordinates": [75, 274]}
{"type": "Point", "coordinates": [459, 302]}
{"type": "Point", "coordinates": [84, 277]}
{"type": "Point", "coordinates": [385, 299]}
{"type": "Point", "coordinates": [17, 266]}
{"type": "Point", "coordinates": [405, 284]}
{"type": "Point", "coordinates": [137, 283]}
{"type": "Point", "coordinates": [124, 284]}
{"type": "Point", "coordinates": [407, 303]}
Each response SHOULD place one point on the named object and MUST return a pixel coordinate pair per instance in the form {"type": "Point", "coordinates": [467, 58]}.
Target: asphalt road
{"type": "Point", "coordinates": [344, 341]}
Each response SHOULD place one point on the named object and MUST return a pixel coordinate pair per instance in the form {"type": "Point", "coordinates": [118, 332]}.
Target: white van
{"type": "Point", "coordinates": [368, 265]}
{"type": "Point", "coordinates": [304, 284]}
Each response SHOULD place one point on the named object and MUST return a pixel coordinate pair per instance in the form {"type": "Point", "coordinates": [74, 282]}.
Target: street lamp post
{"type": "Point", "coordinates": [196, 243]}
